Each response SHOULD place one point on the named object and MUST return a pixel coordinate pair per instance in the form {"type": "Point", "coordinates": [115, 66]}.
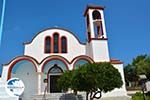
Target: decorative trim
{"type": "Point", "coordinates": [53, 57]}
{"type": "Point", "coordinates": [84, 58]}
{"type": "Point", "coordinates": [99, 38]}
{"type": "Point", "coordinates": [54, 67]}
{"type": "Point", "coordinates": [18, 57]}
{"type": "Point", "coordinates": [64, 59]}
{"type": "Point", "coordinates": [112, 61]}
{"type": "Point", "coordinates": [49, 58]}
{"type": "Point", "coordinates": [115, 61]}
{"type": "Point", "coordinates": [25, 43]}
{"type": "Point", "coordinates": [14, 61]}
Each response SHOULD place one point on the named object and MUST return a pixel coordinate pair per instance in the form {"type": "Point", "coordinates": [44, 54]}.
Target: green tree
{"type": "Point", "coordinates": [139, 65]}
{"type": "Point", "coordinates": [142, 65]}
{"type": "Point", "coordinates": [65, 81]}
{"type": "Point", "coordinates": [94, 78]}
{"type": "Point", "coordinates": [130, 74]}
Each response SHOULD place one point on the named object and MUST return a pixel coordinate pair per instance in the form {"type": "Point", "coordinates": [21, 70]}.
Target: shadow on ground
{"type": "Point", "coordinates": [71, 97]}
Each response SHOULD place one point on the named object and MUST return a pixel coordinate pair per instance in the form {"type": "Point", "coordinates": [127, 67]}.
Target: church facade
{"type": "Point", "coordinates": [55, 50]}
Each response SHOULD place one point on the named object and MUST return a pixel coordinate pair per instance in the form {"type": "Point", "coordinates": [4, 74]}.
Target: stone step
{"type": "Point", "coordinates": [61, 96]}
{"type": "Point", "coordinates": [9, 98]}
{"type": "Point", "coordinates": [58, 96]}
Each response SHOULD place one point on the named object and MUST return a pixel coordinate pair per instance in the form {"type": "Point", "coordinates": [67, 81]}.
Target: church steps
{"type": "Point", "coordinates": [81, 96]}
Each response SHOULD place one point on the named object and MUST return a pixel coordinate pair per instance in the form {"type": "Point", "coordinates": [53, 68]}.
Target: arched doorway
{"type": "Point", "coordinates": [52, 70]}
{"type": "Point", "coordinates": [54, 74]}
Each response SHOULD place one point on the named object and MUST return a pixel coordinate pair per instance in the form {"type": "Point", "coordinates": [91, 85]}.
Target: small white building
{"type": "Point", "coordinates": [55, 50]}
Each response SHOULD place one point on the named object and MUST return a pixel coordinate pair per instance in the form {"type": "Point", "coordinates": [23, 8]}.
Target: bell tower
{"type": "Point", "coordinates": [95, 22]}
{"type": "Point", "coordinates": [97, 43]}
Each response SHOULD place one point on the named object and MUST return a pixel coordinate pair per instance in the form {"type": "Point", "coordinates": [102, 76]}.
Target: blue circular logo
{"type": "Point", "coordinates": [14, 87]}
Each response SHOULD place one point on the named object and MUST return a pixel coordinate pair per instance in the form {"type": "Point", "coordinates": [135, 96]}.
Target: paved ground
{"type": "Point", "coordinates": [115, 98]}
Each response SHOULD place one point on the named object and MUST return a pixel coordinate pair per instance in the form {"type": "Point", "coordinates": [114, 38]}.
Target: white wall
{"type": "Point", "coordinates": [5, 73]}
{"type": "Point", "coordinates": [36, 47]}
{"type": "Point", "coordinates": [118, 91]}
{"type": "Point", "coordinates": [98, 50]}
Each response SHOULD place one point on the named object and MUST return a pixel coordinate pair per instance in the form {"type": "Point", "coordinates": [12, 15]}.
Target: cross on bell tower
{"type": "Point", "coordinates": [95, 22]}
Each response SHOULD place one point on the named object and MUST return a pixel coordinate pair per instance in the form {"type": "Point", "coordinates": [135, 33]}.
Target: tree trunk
{"type": "Point", "coordinates": [91, 95]}
{"type": "Point", "coordinates": [76, 96]}
{"type": "Point", "coordinates": [87, 94]}
{"type": "Point", "coordinates": [75, 92]}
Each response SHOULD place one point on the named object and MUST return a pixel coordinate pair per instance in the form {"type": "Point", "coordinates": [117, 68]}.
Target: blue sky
{"type": "Point", "coordinates": [127, 22]}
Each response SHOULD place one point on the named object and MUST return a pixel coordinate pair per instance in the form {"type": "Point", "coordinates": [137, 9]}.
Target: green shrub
{"type": "Point", "coordinates": [139, 96]}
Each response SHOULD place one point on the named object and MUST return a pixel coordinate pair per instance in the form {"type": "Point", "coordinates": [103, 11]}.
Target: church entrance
{"type": "Point", "coordinates": [53, 84]}
{"type": "Point", "coordinates": [54, 74]}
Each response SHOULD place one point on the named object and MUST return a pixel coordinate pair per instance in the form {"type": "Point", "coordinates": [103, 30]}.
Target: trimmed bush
{"type": "Point", "coordinates": [139, 96]}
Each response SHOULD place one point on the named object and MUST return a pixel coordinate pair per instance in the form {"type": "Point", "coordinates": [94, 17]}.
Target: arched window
{"type": "Point", "coordinates": [80, 62]}
{"type": "Point", "coordinates": [56, 43]}
{"type": "Point", "coordinates": [96, 15]}
{"type": "Point", "coordinates": [55, 69]}
{"type": "Point", "coordinates": [63, 45]}
{"type": "Point", "coordinates": [48, 44]}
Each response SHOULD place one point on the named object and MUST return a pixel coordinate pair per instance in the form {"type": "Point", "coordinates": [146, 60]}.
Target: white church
{"type": "Point", "coordinates": [55, 50]}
